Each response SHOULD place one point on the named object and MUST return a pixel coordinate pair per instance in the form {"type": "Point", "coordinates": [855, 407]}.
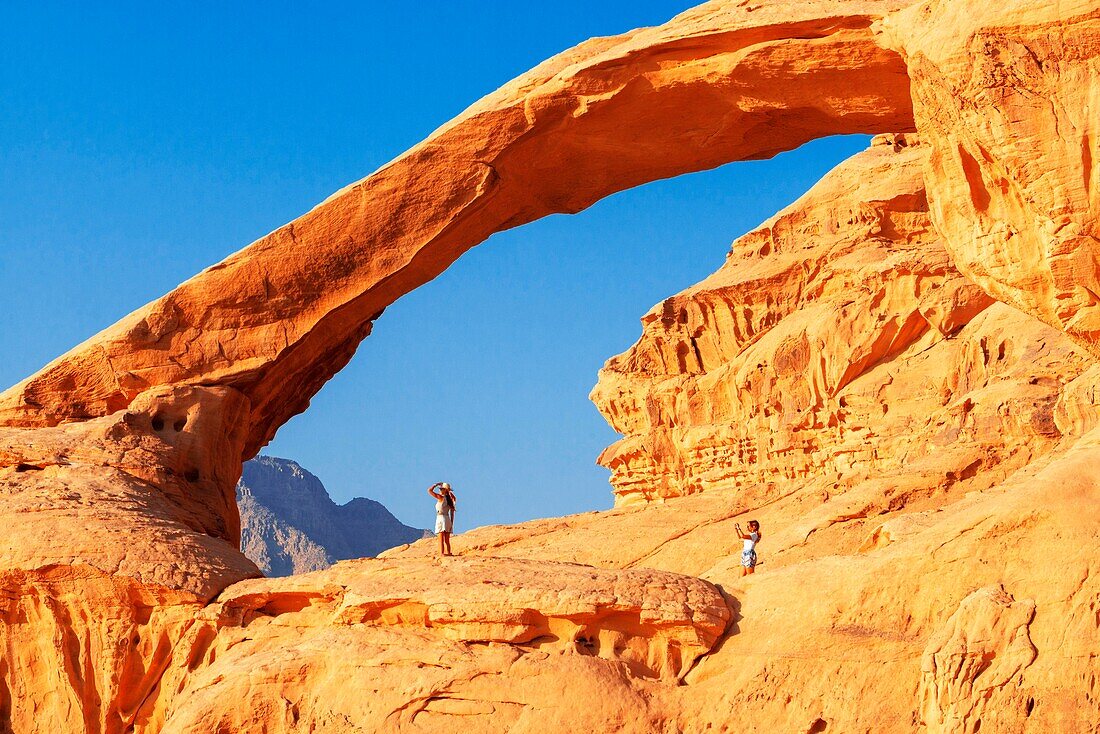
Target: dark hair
{"type": "Point", "coordinates": [757, 524]}
{"type": "Point", "coordinates": [449, 498]}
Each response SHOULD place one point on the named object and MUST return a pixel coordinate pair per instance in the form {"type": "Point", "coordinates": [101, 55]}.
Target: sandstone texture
{"type": "Point", "coordinates": [896, 376]}
{"type": "Point", "coordinates": [838, 345]}
{"type": "Point", "coordinates": [505, 642]}
{"type": "Point", "coordinates": [1006, 94]}
{"type": "Point", "coordinates": [289, 524]}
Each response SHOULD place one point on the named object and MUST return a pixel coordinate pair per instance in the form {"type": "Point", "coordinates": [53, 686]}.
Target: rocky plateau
{"type": "Point", "coordinates": [897, 375]}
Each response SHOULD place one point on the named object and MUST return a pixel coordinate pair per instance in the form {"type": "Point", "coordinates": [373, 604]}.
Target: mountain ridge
{"type": "Point", "coordinates": [290, 524]}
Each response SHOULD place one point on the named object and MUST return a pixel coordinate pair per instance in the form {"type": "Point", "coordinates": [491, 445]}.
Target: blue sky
{"type": "Point", "coordinates": [141, 142]}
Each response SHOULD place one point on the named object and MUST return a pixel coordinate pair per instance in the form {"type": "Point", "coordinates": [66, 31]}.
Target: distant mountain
{"type": "Point", "coordinates": [289, 524]}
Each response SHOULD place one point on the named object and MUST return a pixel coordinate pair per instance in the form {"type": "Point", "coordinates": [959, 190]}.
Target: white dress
{"type": "Point", "coordinates": [748, 553]}
{"type": "Point", "coordinates": [444, 517]}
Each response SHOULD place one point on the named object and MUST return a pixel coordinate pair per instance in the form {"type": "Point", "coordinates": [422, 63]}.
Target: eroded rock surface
{"type": "Point", "coordinates": [916, 453]}
{"type": "Point", "coordinates": [837, 345]}
{"type": "Point", "coordinates": [970, 663]}
{"type": "Point", "coordinates": [144, 493]}
{"type": "Point", "coordinates": [865, 376]}
{"type": "Point", "coordinates": [1006, 94]}
{"type": "Point", "coordinates": [719, 83]}
{"type": "Point", "coordinates": [386, 645]}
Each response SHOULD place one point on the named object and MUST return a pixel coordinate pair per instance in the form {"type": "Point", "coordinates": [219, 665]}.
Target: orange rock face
{"type": "Point", "coordinates": [392, 644]}
{"type": "Point", "coordinates": [1005, 93]}
{"type": "Point", "coordinates": [895, 375]}
{"type": "Point", "coordinates": [276, 320]}
{"type": "Point", "coordinates": [837, 345]}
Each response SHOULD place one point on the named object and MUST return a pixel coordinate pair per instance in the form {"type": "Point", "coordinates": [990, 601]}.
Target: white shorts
{"type": "Point", "coordinates": [748, 559]}
{"type": "Point", "coordinates": [444, 522]}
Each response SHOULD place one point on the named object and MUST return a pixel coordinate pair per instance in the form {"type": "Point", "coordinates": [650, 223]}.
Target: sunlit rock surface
{"type": "Point", "coordinates": [725, 81]}
{"type": "Point", "coordinates": [1006, 93]}
{"type": "Point", "coordinates": [915, 451]}
{"type": "Point", "coordinates": [377, 645]}
{"type": "Point", "coordinates": [884, 375]}
{"type": "Point", "coordinates": [838, 344]}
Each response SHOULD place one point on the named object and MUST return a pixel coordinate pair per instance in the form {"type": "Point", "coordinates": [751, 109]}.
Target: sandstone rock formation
{"type": "Point", "coordinates": [368, 645]}
{"type": "Point", "coordinates": [1005, 93]}
{"type": "Point", "coordinates": [915, 451]}
{"type": "Point", "coordinates": [264, 329]}
{"type": "Point", "coordinates": [866, 376]}
{"type": "Point", "coordinates": [289, 524]}
{"type": "Point", "coordinates": [722, 82]}
{"type": "Point", "coordinates": [145, 493]}
{"type": "Point", "coordinates": [837, 345]}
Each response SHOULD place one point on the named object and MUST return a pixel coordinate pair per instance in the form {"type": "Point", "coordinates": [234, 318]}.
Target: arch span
{"type": "Point", "coordinates": [276, 320]}
{"type": "Point", "coordinates": [112, 458]}
{"type": "Point", "coordinates": [175, 396]}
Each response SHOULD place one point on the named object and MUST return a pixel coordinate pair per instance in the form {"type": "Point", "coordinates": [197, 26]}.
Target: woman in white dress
{"type": "Point", "coordinates": [748, 553]}
{"type": "Point", "coordinates": [444, 514]}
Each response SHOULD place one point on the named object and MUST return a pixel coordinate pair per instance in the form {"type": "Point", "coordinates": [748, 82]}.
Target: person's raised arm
{"type": "Point", "coordinates": [433, 493]}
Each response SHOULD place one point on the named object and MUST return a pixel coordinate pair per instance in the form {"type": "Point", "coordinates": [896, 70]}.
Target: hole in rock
{"type": "Point", "coordinates": [588, 645]}
{"type": "Point", "coordinates": [481, 377]}
{"type": "Point", "coordinates": [1030, 706]}
{"type": "Point", "coordinates": [158, 423]}
{"type": "Point", "coordinates": [817, 727]}
{"type": "Point", "coordinates": [27, 467]}
{"type": "Point", "coordinates": [179, 424]}
{"type": "Point", "coordinates": [543, 640]}
{"type": "Point", "coordinates": [191, 475]}
{"type": "Point", "coordinates": [286, 605]}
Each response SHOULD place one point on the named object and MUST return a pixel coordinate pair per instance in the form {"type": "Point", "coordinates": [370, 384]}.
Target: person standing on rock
{"type": "Point", "coordinates": [444, 514]}
{"type": "Point", "coordinates": [748, 554]}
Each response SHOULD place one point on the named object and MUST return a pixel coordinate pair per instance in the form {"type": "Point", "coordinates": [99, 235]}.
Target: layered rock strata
{"type": "Point", "coordinates": [928, 566]}
{"type": "Point", "coordinates": [916, 452]}
{"type": "Point", "coordinates": [1005, 92]}
{"type": "Point", "coordinates": [368, 645]}
{"type": "Point", "coordinates": [944, 611]}
{"type": "Point", "coordinates": [838, 344]}
{"type": "Point", "coordinates": [265, 328]}
{"type": "Point", "coordinates": [277, 319]}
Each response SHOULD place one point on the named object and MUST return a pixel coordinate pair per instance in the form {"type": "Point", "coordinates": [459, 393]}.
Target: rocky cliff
{"type": "Point", "coordinates": [914, 450]}
{"type": "Point", "coordinates": [838, 345]}
{"type": "Point", "coordinates": [896, 376]}
{"type": "Point", "coordinates": [289, 524]}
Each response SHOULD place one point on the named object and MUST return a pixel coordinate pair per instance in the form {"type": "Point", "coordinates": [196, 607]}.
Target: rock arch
{"type": "Point", "coordinates": [235, 351]}
{"type": "Point", "coordinates": [238, 349]}
{"type": "Point", "coordinates": [277, 319]}
{"type": "Point", "coordinates": [117, 461]}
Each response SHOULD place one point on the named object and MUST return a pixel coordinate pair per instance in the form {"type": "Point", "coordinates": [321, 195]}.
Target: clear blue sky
{"type": "Point", "coordinates": [139, 144]}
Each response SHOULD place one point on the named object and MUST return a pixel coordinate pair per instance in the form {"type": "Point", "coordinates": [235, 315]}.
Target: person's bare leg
{"type": "Point", "coordinates": [445, 543]}
{"type": "Point", "coordinates": [442, 544]}
{"type": "Point", "coordinates": [750, 569]}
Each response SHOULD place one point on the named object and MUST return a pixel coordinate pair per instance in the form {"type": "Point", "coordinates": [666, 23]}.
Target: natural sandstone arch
{"type": "Point", "coordinates": [148, 422]}
{"type": "Point", "coordinates": [276, 320]}
{"type": "Point", "coordinates": [116, 461]}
